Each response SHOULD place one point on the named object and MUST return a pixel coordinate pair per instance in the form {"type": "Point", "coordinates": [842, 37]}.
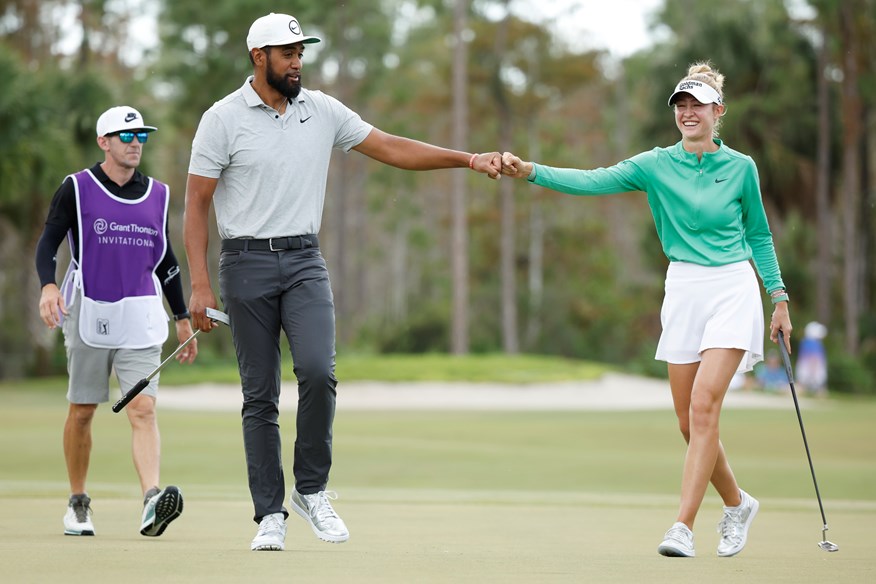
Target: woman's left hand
{"type": "Point", "coordinates": [781, 321]}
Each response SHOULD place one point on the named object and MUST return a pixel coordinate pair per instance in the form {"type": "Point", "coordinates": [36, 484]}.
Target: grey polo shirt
{"type": "Point", "coordinates": [272, 168]}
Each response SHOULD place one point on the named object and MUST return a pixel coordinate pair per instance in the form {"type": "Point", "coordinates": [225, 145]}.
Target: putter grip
{"type": "Point", "coordinates": [786, 358]}
{"type": "Point", "coordinates": [134, 391]}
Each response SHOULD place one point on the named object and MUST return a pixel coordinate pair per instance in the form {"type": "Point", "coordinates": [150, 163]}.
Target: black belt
{"type": "Point", "coordinates": [272, 244]}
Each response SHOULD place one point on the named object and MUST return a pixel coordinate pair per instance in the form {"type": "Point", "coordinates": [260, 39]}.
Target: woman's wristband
{"type": "Point", "coordinates": [471, 160]}
{"type": "Point", "coordinates": [783, 297]}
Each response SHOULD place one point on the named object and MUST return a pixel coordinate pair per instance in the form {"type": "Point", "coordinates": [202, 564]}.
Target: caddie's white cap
{"type": "Point", "coordinates": [702, 92]}
{"type": "Point", "coordinates": [119, 118]}
{"type": "Point", "coordinates": [276, 30]}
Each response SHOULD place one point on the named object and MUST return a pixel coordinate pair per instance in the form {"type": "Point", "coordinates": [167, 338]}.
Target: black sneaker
{"type": "Point", "coordinates": [159, 509]}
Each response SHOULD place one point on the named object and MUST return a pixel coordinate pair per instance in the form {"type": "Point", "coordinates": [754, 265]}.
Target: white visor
{"type": "Point", "coordinates": [702, 92]}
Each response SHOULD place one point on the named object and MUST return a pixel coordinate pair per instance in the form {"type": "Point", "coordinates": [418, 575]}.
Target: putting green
{"type": "Point", "coordinates": [448, 497]}
{"type": "Point", "coordinates": [410, 536]}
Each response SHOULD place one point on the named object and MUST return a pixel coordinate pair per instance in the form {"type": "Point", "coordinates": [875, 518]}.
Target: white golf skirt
{"type": "Point", "coordinates": [711, 307]}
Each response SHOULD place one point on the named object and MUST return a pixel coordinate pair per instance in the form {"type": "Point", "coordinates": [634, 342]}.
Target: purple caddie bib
{"type": "Point", "coordinates": [121, 243]}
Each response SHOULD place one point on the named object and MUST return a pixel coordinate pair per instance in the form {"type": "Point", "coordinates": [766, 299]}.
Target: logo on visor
{"type": "Point", "coordinates": [100, 226]}
{"type": "Point", "coordinates": [685, 85]}
{"type": "Point", "coordinates": [295, 27]}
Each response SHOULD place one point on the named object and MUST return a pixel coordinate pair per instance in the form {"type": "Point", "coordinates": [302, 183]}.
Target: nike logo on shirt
{"type": "Point", "coordinates": [719, 180]}
{"type": "Point", "coordinates": [308, 117]}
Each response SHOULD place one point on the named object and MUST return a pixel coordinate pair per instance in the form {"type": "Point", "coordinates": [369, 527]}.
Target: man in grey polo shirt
{"type": "Point", "coordinates": [260, 157]}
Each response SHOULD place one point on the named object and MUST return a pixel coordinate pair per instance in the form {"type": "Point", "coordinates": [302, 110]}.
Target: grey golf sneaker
{"type": "Point", "coordinates": [77, 519]}
{"type": "Point", "coordinates": [159, 509]}
{"type": "Point", "coordinates": [678, 542]}
{"type": "Point", "coordinates": [733, 527]}
{"type": "Point", "coordinates": [317, 510]}
{"type": "Point", "coordinates": [271, 536]}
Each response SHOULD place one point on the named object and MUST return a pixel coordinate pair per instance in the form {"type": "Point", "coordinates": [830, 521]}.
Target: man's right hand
{"type": "Point", "coordinates": [199, 302]}
{"type": "Point", "coordinates": [52, 306]}
{"type": "Point", "coordinates": [489, 163]}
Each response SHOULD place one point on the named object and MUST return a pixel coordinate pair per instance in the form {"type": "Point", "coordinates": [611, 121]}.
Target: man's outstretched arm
{"type": "Point", "coordinates": [410, 154]}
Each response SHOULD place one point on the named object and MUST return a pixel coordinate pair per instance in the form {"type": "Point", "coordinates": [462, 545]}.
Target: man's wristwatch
{"type": "Point", "coordinates": [182, 316]}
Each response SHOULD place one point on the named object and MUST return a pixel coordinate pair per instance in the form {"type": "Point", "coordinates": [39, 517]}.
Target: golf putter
{"type": "Point", "coordinates": [823, 544]}
{"type": "Point", "coordinates": [212, 314]}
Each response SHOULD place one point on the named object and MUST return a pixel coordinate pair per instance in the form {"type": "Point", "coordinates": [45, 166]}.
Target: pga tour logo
{"type": "Point", "coordinates": [102, 326]}
{"type": "Point", "coordinates": [100, 226]}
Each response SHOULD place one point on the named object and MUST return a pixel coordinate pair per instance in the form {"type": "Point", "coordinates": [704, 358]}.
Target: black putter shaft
{"type": "Point", "coordinates": [787, 361]}
{"type": "Point", "coordinates": [141, 385]}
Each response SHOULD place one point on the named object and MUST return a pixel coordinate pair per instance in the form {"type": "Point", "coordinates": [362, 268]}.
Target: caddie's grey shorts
{"type": "Point", "coordinates": [89, 368]}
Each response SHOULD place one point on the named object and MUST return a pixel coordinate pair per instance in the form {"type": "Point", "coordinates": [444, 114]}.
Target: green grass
{"type": "Point", "coordinates": [481, 368]}
{"type": "Point", "coordinates": [211, 368]}
{"type": "Point", "coordinates": [617, 452]}
{"type": "Point", "coordinates": [449, 497]}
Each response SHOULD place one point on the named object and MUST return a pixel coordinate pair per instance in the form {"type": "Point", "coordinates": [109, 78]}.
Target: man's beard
{"type": "Point", "coordinates": [287, 87]}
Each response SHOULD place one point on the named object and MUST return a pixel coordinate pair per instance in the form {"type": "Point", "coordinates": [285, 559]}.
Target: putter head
{"type": "Point", "coordinates": [828, 546]}
{"type": "Point", "coordinates": [218, 316]}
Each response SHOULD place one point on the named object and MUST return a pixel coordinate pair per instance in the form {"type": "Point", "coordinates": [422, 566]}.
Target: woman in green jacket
{"type": "Point", "coordinates": [707, 207]}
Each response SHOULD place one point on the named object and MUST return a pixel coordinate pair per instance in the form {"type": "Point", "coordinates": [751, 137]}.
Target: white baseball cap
{"type": "Point", "coordinates": [702, 92]}
{"type": "Point", "coordinates": [815, 330]}
{"type": "Point", "coordinates": [120, 118]}
{"type": "Point", "coordinates": [276, 30]}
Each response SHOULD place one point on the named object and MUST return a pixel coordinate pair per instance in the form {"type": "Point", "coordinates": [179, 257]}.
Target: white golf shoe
{"type": "Point", "coordinates": [271, 535]}
{"type": "Point", "coordinates": [317, 509]}
{"type": "Point", "coordinates": [678, 542]}
{"type": "Point", "coordinates": [733, 527]}
{"type": "Point", "coordinates": [77, 519]}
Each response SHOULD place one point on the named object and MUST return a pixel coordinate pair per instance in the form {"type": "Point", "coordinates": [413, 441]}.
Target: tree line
{"type": "Point", "coordinates": [445, 261]}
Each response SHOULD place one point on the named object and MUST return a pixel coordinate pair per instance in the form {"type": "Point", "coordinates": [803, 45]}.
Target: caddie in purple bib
{"type": "Point", "coordinates": [121, 243]}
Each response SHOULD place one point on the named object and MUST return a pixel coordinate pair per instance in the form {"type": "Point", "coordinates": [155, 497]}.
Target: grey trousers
{"type": "Point", "coordinates": [265, 292]}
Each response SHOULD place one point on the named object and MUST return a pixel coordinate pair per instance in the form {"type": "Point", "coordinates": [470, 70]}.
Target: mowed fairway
{"type": "Point", "coordinates": [448, 497]}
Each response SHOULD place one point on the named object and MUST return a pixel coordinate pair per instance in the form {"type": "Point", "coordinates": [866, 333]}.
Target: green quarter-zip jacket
{"type": "Point", "coordinates": [707, 212]}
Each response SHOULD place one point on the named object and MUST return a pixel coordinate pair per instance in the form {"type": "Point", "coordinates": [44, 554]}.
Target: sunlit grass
{"type": "Point", "coordinates": [498, 368]}
{"type": "Point", "coordinates": [612, 452]}
{"type": "Point", "coordinates": [412, 484]}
